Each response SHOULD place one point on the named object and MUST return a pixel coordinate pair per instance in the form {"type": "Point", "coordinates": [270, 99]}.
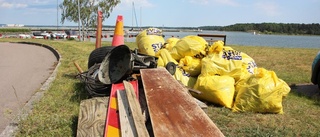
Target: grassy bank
{"type": "Point", "coordinates": [14, 30]}
{"type": "Point", "coordinates": [56, 114]}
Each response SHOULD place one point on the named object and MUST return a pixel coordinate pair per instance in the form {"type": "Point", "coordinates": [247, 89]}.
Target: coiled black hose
{"type": "Point", "coordinates": [92, 84]}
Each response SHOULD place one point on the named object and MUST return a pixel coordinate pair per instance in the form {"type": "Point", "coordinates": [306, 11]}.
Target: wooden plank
{"type": "Point", "coordinates": [135, 110]}
{"type": "Point", "coordinates": [173, 112]}
{"type": "Point", "coordinates": [126, 119]}
{"type": "Point", "coordinates": [112, 128]}
{"type": "Point", "coordinates": [91, 121]}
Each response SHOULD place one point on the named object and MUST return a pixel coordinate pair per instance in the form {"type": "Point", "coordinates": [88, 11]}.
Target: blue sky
{"type": "Point", "coordinates": [173, 13]}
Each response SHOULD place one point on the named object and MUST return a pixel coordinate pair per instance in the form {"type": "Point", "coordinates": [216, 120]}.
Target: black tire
{"type": "Point", "coordinates": [171, 68]}
{"type": "Point", "coordinates": [319, 80]}
{"type": "Point", "coordinates": [97, 55]}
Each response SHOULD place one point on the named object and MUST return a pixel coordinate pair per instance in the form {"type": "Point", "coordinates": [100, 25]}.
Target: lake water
{"type": "Point", "coordinates": [243, 38]}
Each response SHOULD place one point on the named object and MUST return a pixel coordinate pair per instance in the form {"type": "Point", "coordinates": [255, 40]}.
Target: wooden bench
{"type": "Point", "coordinates": [211, 38]}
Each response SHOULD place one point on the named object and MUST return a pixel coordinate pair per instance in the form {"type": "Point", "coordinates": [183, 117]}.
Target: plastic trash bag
{"type": "Point", "coordinates": [261, 92]}
{"type": "Point", "coordinates": [215, 89]}
{"type": "Point", "coordinates": [191, 65]}
{"type": "Point", "coordinates": [224, 60]}
{"type": "Point", "coordinates": [185, 78]}
{"type": "Point", "coordinates": [217, 64]}
{"type": "Point", "coordinates": [164, 57]}
{"type": "Point", "coordinates": [194, 46]}
{"type": "Point", "coordinates": [150, 41]}
{"type": "Point", "coordinates": [170, 43]}
{"type": "Point", "coordinates": [249, 67]}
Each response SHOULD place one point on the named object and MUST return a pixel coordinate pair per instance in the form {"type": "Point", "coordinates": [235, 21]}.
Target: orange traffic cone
{"type": "Point", "coordinates": [118, 37]}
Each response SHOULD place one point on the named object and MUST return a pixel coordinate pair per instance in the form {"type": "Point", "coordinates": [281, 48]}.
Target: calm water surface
{"type": "Point", "coordinates": [243, 38]}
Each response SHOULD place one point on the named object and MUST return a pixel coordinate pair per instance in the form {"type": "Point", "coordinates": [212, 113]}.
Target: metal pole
{"type": "Point", "coordinates": [79, 21]}
{"type": "Point", "coordinates": [57, 15]}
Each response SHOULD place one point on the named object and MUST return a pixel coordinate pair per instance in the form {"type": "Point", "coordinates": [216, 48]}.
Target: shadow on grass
{"type": "Point", "coordinates": [74, 125]}
{"type": "Point", "coordinates": [79, 89]}
{"type": "Point", "coordinates": [309, 91]}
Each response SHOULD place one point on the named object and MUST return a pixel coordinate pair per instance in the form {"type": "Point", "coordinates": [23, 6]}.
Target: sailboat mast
{"type": "Point", "coordinates": [132, 14]}
{"type": "Point", "coordinates": [135, 15]}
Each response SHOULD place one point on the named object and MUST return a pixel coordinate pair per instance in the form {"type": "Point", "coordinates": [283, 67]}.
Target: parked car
{"type": "Point", "coordinates": [24, 36]}
{"type": "Point", "coordinates": [315, 76]}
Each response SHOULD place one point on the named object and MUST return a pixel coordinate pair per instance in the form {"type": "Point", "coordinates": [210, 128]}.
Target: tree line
{"type": "Point", "coordinates": [271, 28]}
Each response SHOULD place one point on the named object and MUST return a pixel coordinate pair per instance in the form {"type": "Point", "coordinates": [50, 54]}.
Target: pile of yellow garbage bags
{"type": "Point", "coordinates": [224, 76]}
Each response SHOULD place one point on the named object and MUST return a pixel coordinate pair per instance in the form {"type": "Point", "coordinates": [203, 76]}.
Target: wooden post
{"type": "Point", "coordinates": [99, 30]}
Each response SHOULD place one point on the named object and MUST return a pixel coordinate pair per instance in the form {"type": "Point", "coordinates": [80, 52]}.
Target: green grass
{"type": "Point", "coordinates": [14, 30]}
{"type": "Point", "coordinates": [56, 114]}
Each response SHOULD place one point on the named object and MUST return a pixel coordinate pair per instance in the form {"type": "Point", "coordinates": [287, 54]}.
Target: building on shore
{"type": "Point", "coordinates": [14, 25]}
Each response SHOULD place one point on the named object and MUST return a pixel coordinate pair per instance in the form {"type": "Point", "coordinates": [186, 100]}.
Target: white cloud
{"type": "Point", "coordinates": [21, 5]}
{"type": "Point", "coordinates": [227, 2]}
{"type": "Point", "coordinates": [137, 3]}
{"type": "Point", "coordinates": [6, 5]}
{"type": "Point", "coordinates": [267, 8]}
{"type": "Point", "coordinates": [215, 2]}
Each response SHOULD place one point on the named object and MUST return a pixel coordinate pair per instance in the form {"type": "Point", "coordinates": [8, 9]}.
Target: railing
{"type": "Point", "coordinates": [211, 38]}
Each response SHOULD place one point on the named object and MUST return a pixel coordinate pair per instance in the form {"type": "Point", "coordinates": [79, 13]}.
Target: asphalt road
{"type": "Point", "coordinates": [23, 70]}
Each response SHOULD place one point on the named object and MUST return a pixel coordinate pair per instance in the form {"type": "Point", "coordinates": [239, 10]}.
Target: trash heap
{"type": "Point", "coordinates": [225, 76]}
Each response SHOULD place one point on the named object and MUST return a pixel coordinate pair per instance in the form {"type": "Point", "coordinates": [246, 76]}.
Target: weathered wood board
{"type": "Point", "coordinates": [173, 112]}
{"type": "Point", "coordinates": [92, 115]}
{"type": "Point", "coordinates": [126, 119]}
{"type": "Point", "coordinates": [112, 128]}
{"type": "Point", "coordinates": [135, 111]}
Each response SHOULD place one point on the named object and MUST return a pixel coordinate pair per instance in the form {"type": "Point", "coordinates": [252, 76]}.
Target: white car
{"type": "Point", "coordinates": [24, 36]}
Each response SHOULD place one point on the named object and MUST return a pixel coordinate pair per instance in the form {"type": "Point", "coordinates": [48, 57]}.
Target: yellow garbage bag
{"type": "Point", "coordinates": [149, 31]}
{"type": "Point", "coordinates": [170, 43]}
{"type": "Point", "coordinates": [150, 41]}
{"type": "Point", "coordinates": [227, 61]}
{"type": "Point", "coordinates": [194, 46]}
{"type": "Point", "coordinates": [215, 89]}
{"type": "Point", "coordinates": [164, 57]}
{"type": "Point", "coordinates": [191, 65]}
{"type": "Point", "coordinates": [217, 64]}
{"type": "Point", "coordinates": [185, 78]}
{"type": "Point", "coordinates": [262, 92]}
{"type": "Point", "coordinates": [216, 47]}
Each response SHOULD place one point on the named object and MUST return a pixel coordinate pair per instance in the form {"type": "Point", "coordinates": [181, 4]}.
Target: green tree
{"type": "Point", "coordinates": [88, 11]}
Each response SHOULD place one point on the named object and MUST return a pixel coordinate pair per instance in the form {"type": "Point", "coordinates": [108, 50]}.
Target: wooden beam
{"type": "Point", "coordinates": [112, 128]}
{"type": "Point", "coordinates": [135, 110]}
{"type": "Point", "coordinates": [173, 112]}
{"type": "Point", "coordinates": [125, 116]}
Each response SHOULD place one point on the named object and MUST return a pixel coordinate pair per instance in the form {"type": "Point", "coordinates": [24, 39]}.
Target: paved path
{"type": "Point", "coordinates": [23, 69]}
